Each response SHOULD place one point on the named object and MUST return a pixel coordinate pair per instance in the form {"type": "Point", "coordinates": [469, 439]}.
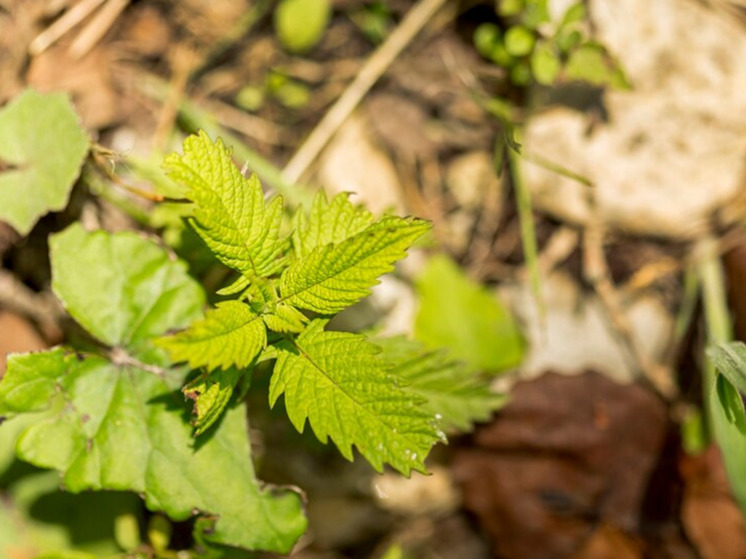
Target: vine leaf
{"type": "Point", "coordinates": [117, 421]}
{"type": "Point", "coordinates": [42, 149]}
{"type": "Point", "coordinates": [334, 276]}
{"type": "Point", "coordinates": [230, 214]}
{"type": "Point", "coordinates": [337, 382]}
{"type": "Point", "coordinates": [328, 222]}
{"type": "Point", "coordinates": [456, 395]}
{"type": "Point", "coordinates": [230, 335]}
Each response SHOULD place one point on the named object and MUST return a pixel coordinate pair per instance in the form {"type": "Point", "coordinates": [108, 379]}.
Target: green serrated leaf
{"type": "Point", "coordinates": [461, 315]}
{"type": "Point", "coordinates": [300, 24]}
{"type": "Point", "coordinates": [117, 421]}
{"type": "Point", "coordinates": [328, 222]}
{"type": "Point", "coordinates": [211, 394]}
{"type": "Point", "coordinates": [231, 216]}
{"type": "Point", "coordinates": [285, 319]}
{"type": "Point", "coordinates": [334, 276]}
{"type": "Point", "coordinates": [456, 396]}
{"type": "Point", "coordinates": [337, 382]}
{"type": "Point", "coordinates": [230, 335]}
{"type": "Point", "coordinates": [42, 148]}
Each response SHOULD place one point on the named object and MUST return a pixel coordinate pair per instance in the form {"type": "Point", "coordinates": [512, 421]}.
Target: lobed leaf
{"type": "Point", "coordinates": [456, 396]}
{"type": "Point", "coordinates": [42, 149]}
{"type": "Point", "coordinates": [120, 427]}
{"type": "Point", "coordinates": [334, 276]}
{"type": "Point", "coordinates": [231, 215]}
{"type": "Point", "coordinates": [117, 421]}
{"type": "Point", "coordinates": [121, 288]}
{"type": "Point", "coordinates": [337, 382]}
{"type": "Point", "coordinates": [230, 335]}
{"type": "Point", "coordinates": [328, 222]}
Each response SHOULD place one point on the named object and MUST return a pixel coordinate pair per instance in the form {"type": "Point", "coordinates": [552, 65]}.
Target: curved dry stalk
{"type": "Point", "coordinates": [369, 74]}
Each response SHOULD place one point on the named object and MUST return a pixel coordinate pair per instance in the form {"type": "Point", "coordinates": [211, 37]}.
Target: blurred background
{"type": "Point", "coordinates": [582, 164]}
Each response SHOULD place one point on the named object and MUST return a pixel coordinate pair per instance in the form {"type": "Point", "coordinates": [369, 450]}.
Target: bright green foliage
{"type": "Point", "coordinates": [536, 49]}
{"type": "Point", "coordinates": [330, 378]}
{"type": "Point", "coordinates": [337, 382]}
{"type": "Point", "coordinates": [456, 396]}
{"type": "Point", "coordinates": [300, 24]}
{"type": "Point", "coordinates": [229, 335]}
{"type": "Point", "coordinates": [285, 318]}
{"type": "Point", "coordinates": [463, 316]}
{"type": "Point", "coordinates": [42, 148]}
{"type": "Point", "coordinates": [231, 215]}
{"type": "Point", "coordinates": [116, 420]}
{"type": "Point", "coordinates": [211, 394]}
{"type": "Point", "coordinates": [328, 222]}
{"type": "Point", "coordinates": [334, 276]}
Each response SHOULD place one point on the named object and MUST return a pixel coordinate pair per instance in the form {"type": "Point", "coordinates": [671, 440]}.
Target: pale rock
{"type": "Point", "coordinates": [353, 163]}
{"type": "Point", "coordinates": [574, 333]}
{"type": "Point", "coordinates": [673, 149]}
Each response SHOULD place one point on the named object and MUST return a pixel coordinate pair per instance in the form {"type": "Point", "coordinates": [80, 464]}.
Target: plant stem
{"type": "Point", "coordinates": [717, 391]}
{"type": "Point", "coordinates": [528, 229]}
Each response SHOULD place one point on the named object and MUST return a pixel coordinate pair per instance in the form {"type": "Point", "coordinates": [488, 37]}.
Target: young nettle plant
{"type": "Point", "coordinates": [115, 417]}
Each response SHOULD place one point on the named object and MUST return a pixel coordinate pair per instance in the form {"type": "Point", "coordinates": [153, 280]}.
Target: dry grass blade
{"type": "Point", "coordinates": [369, 74]}
{"type": "Point", "coordinates": [97, 28]}
{"type": "Point", "coordinates": [65, 23]}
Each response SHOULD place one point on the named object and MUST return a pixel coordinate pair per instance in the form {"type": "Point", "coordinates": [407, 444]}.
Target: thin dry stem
{"type": "Point", "coordinates": [97, 28]}
{"type": "Point", "coordinates": [597, 273]}
{"type": "Point", "coordinates": [369, 74]}
{"type": "Point", "coordinates": [62, 25]}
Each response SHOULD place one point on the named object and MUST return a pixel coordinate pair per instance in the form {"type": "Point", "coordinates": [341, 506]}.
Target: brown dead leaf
{"type": "Point", "coordinates": [608, 542]}
{"type": "Point", "coordinates": [16, 335]}
{"type": "Point", "coordinates": [711, 518]}
{"type": "Point", "coordinates": [564, 455]}
{"type": "Point", "coordinates": [89, 80]}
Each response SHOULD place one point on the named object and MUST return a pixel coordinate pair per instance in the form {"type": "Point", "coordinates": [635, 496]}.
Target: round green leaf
{"type": "Point", "coordinates": [486, 36]}
{"type": "Point", "coordinates": [545, 64]}
{"type": "Point", "coordinates": [501, 56]}
{"type": "Point", "coordinates": [519, 41]}
{"type": "Point", "coordinates": [300, 24]}
{"type": "Point", "coordinates": [42, 148]}
{"type": "Point", "coordinates": [510, 7]}
{"type": "Point", "coordinates": [520, 74]}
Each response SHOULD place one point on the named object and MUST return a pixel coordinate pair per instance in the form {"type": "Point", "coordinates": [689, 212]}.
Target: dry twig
{"type": "Point", "coordinates": [369, 74]}
{"type": "Point", "coordinates": [62, 25]}
{"type": "Point", "coordinates": [97, 28]}
{"type": "Point", "coordinates": [597, 273]}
